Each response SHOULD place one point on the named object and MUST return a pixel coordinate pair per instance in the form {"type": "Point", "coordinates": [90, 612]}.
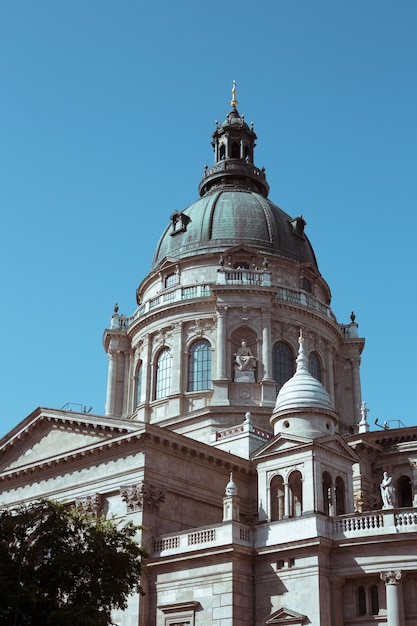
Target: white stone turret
{"type": "Point", "coordinates": [303, 406]}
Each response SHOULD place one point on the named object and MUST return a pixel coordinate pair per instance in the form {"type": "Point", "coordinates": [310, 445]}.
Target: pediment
{"type": "Point", "coordinates": [336, 445]}
{"type": "Point", "coordinates": [49, 434]}
{"type": "Point", "coordinates": [286, 616]}
{"type": "Point", "coordinates": [282, 444]}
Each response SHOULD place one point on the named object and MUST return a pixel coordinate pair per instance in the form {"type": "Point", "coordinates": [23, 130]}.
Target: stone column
{"type": "Point", "coordinates": [110, 383]}
{"type": "Point", "coordinates": [221, 343]}
{"type": "Point", "coordinates": [266, 344]}
{"type": "Point", "coordinates": [286, 500]}
{"type": "Point", "coordinates": [394, 594]}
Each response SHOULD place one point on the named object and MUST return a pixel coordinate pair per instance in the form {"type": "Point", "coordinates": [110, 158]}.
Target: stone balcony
{"type": "Point", "coordinates": [228, 277]}
{"type": "Point", "coordinates": [357, 526]}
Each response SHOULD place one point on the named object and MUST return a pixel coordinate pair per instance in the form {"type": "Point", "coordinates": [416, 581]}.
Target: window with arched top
{"type": "Point", "coordinates": [340, 496]}
{"type": "Point", "coordinates": [314, 365]}
{"type": "Point", "coordinates": [139, 384]}
{"type": "Point", "coordinates": [361, 600]}
{"type": "Point", "coordinates": [327, 493]}
{"type": "Point", "coordinates": [277, 496]}
{"type": "Point", "coordinates": [374, 600]}
{"type": "Point", "coordinates": [282, 362]}
{"type": "Point", "coordinates": [404, 492]}
{"type": "Point", "coordinates": [234, 150]}
{"type": "Point", "coordinates": [295, 488]}
{"type": "Point", "coordinates": [199, 366]}
{"type": "Point", "coordinates": [163, 374]}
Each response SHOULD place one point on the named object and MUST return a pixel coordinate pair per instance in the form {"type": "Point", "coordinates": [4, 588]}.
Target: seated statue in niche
{"type": "Point", "coordinates": [244, 359]}
{"type": "Point", "coordinates": [387, 492]}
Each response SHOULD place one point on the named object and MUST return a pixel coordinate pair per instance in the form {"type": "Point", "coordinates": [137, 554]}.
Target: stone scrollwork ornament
{"type": "Point", "coordinates": [143, 496]}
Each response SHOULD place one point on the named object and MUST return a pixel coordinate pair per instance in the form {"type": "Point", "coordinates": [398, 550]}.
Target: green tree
{"type": "Point", "coordinates": [59, 566]}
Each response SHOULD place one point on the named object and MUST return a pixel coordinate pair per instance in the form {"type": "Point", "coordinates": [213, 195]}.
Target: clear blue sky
{"type": "Point", "coordinates": [106, 114]}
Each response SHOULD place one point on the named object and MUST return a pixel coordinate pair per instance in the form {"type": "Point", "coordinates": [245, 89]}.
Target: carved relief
{"type": "Point", "coordinates": [90, 504]}
{"type": "Point", "coordinates": [392, 577]}
{"type": "Point", "coordinates": [143, 496]}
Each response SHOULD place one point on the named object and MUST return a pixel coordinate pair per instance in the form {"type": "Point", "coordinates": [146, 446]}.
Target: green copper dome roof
{"type": "Point", "coordinates": [228, 217]}
{"type": "Point", "coordinates": [234, 208]}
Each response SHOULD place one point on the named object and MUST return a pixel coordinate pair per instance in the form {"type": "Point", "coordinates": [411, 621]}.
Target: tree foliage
{"type": "Point", "coordinates": [60, 566]}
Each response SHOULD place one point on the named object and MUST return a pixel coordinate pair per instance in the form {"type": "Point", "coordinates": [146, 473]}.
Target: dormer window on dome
{"type": "Point", "coordinates": [180, 222]}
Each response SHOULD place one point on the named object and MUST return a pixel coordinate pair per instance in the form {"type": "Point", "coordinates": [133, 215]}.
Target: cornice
{"type": "Point", "coordinates": [144, 435]}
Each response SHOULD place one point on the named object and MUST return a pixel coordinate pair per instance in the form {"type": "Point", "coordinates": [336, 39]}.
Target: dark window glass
{"type": "Point", "coordinates": [361, 601]}
{"type": "Point", "coordinates": [163, 374]}
{"type": "Point", "coordinates": [340, 496]}
{"type": "Point", "coordinates": [282, 362]}
{"type": "Point", "coordinates": [314, 366]}
{"type": "Point", "coordinates": [199, 366]}
{"type": "Point", "coordinates": [374, 600]}
{"type": "Point", "coordinates": [139, 384]}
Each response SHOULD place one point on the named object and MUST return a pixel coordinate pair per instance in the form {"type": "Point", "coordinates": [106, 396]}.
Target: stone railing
{"type": "Point", "coordinates": [385, 521]}
{"type": "Point", "coordinates": [241, 276]}
{"type": "Point", "coordinates": [301, 298]}
{"type": "Point", "coordinates": [372, 523]}
{"type": "Point", "coordinates": [198, 539]}
{"type": "Point", "coordinates": [177, 294]}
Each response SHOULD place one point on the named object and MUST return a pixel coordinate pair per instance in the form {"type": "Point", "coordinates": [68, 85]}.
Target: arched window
{"type": "Point", "coordinates": [314, 365]}
{"type": "Point", "coordinates": [404, 495]}
{"type": "Point", "coordinates": [163, 374]}
{"type": "Point", "coordinates": [234, 150]}
{"type": "Point", "coordinates": [374, 600]}
{"type": "Point", "coordinates": [327, 493]}
{"type": "Point", "coordinates": [282, 362]}
{"type": "Point", "coordinates": [277, 496]}
{"type": "Point", "coordinates": [199, 366]}
{"type": "Point", "coordinates": [361, 601]}
{"type": "Point", "coordinates": [139, 384]}
{"type": "Point", "coordinates": [296, 493]}
{"type": "Point", "coordinates": [340, 496]}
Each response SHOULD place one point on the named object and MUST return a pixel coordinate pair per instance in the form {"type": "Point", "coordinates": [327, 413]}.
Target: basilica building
{"type": "Point", "coordinates": [234, 431]}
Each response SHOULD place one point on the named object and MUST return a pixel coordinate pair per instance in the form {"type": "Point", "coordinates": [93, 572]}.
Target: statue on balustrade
{"type": "Point", "coordinates": [387, 492]}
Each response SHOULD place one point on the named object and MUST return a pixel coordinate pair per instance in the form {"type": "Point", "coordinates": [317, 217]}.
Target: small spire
{"type": "Point", "coordinates": [301, 358]}
{"type": "Point", "coordinates": [234, 102]}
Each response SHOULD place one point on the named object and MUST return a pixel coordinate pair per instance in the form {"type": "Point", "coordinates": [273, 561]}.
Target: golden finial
{"type": "Point", "coordinates": [301, 338]}
{"type": "Point", "coordinates": [234, 102]}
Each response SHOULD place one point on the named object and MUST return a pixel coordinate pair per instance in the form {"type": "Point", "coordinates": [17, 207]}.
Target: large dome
{"type": "Point", "coordinates": [228, 215]}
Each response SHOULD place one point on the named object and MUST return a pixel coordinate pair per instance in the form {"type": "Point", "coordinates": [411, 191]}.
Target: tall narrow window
{"type": "Point", "coordinates": [340, 496]}
{"type": "Point", "coordinates": [139, 384]}
{"type": "Point", "coordinates": [282, 362]}
{"type": "Point", "coordinates": [314, 365]}
{"type": "Point", "coordinates": [296, 493]}
{"type": "Point", "coordinates": [327, 493]}
{"type": "Point", "coordinates": [199, 366]}
{"type": "Point", "coordinates": [361, 601]}
{"type": "Point", "coordinates": [277, 495]}
{"type": "Point", "coordinates": [163, 374]}
{"type": "Point", "coordinates": [374, 600]}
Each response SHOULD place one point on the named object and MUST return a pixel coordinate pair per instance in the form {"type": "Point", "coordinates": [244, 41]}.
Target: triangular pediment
{"type": "Point", "coordinates": [281, 444]}
{"type": "Point", "coordinates": [285, 444]}
{"type": "Point", "coordinates": [47, 434]}
{"type": "Point", "coordinates": [286, 616]}
{"type": "Point", "coordinates": [335, 444]}
{"type": "Point", "coordinates": [167, 263]}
